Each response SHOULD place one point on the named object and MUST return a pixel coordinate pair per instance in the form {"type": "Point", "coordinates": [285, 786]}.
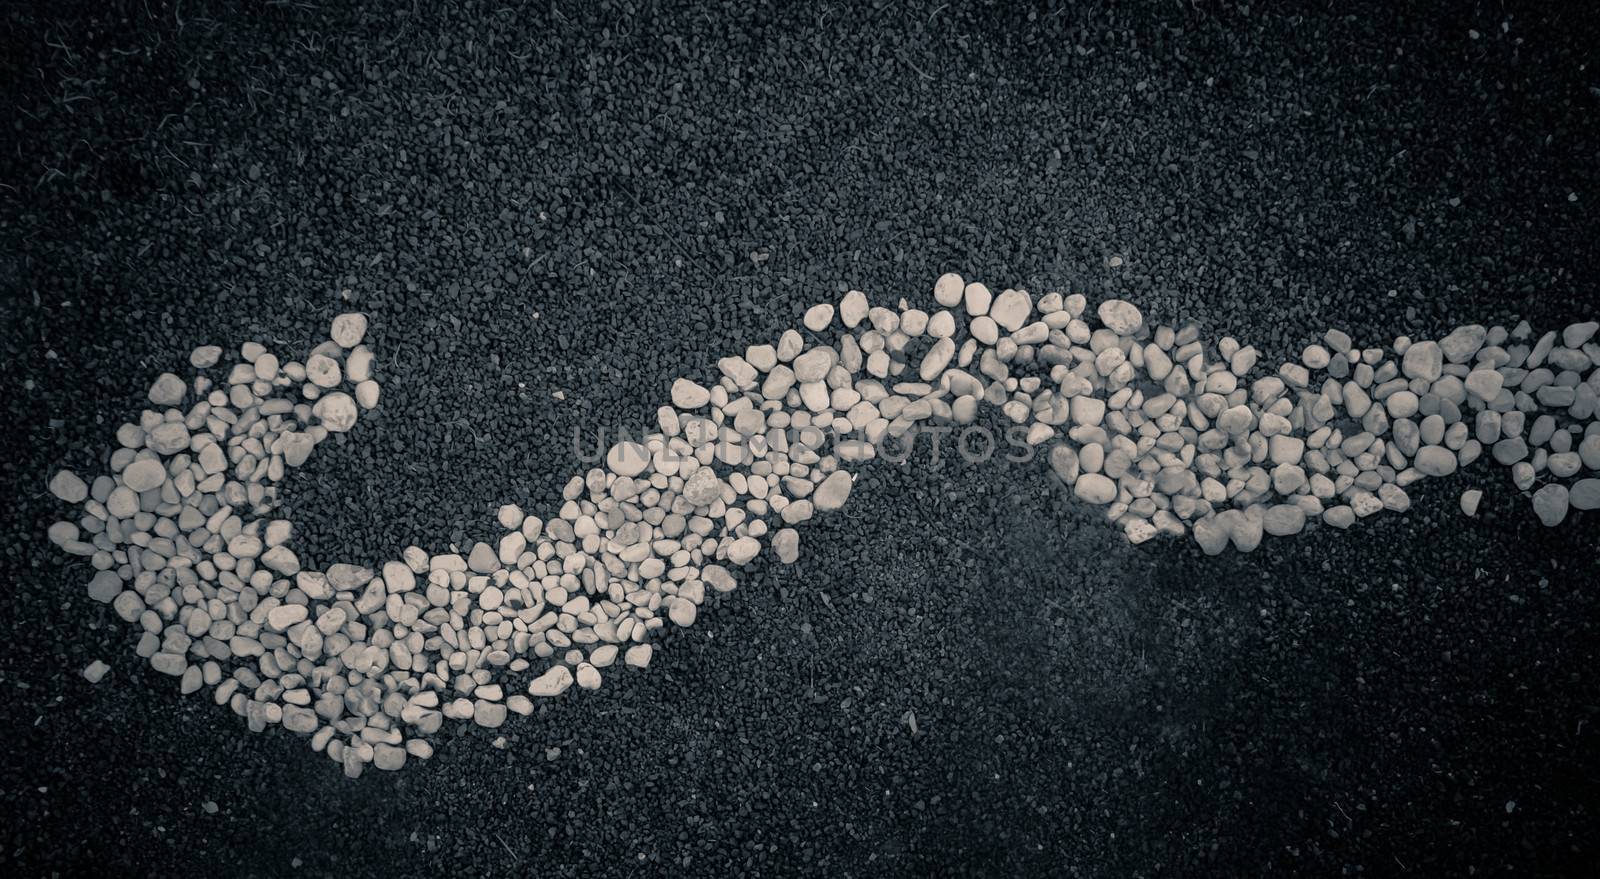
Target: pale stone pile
{"type": "Point", "coordinates": [1170, 435]}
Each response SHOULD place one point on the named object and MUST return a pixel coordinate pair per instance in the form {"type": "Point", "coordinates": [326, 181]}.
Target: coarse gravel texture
{"type": "Point", "coordinates": [593, 199]}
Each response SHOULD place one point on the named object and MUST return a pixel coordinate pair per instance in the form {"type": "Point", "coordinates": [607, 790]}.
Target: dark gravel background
{"type": "Point", "coordinates": [596, 198]}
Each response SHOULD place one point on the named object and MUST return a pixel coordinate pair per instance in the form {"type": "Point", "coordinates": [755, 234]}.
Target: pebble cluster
{"type": "Point", "coordinates": [1168, 434]}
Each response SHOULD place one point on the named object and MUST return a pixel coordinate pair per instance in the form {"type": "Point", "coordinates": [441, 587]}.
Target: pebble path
{"type": "Point", "coordinates": [1168, 434]}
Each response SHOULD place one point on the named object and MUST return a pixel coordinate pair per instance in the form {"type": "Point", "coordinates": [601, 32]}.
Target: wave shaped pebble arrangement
{"type": "Point", "coordinates": [1169, 435]}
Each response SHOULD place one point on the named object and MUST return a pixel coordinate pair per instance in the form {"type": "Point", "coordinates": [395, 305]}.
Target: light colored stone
{"type": "Point", "coordinates": [1120, 316]}
{"type": "Point", "coordinates": [638, 655]}
{"type": "Point", "coordinates": [168, 390]}
{"type": "Point", "coordinates": [553, 682]}
{"type": "Point", "coordinates": [1550, 504]}
{"type": "Point", "coordinates": [1011, 309]}
{"type": "Point", "coordinates": [144, 474]}
{"type": "Point", "coordinates": [786, 544]}
{"type": "Point", "coordinates": [347, 330]}
{"type": "Point", "coordinates": [628, 458]}
{"type": "Point", "coordinates": [1584, 494]}
{"type": "Point", "coordinates": [67, 486]}
{"type": "Point", "coordinates": [743, 551]}
{"type": "Point", "coordinates": [718, 578]}
{"type": "Point", "coordinates": [1423, 360]}
{"type": "Point", "coordinates": [948, 289]}
{"type": "Point", "coordinates": [853, 309]}
{"type": "Point", "coordinates": [367, 394]}
{"type": "Point", "coordinates": [337, 411]}
{"type": "Point", "coordinates": [689, 395]}
{"type": "Point", "coordinates": [832, 493]}
{"type": "Point", "coordinates": [818, 317]}
{"type": "Point", "coordinates": [977, 299]}
{"type": "Point", "coordinates": [1470, 500]}
{"type": "Point", "coordinates": [702, 487]}
{"type": "Point", "coordinates": [1436, 461]}
{"type": "Point", "coordinates": [1096, 488]}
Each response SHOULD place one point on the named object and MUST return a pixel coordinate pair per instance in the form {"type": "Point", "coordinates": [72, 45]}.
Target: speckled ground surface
{"type": "Point", "coordinates": [597, 198]}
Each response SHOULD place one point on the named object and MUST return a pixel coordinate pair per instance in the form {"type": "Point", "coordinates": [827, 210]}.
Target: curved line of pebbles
{"type": "Point", "coordinates": [1168, 435]}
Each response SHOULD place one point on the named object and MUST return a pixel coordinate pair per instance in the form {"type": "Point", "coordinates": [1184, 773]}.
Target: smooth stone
{"type": "Point", "coordinates": [813, 365]}
{"type": "Point", "coordinates": [1211, 534]}
{"type": "Point", "coordinates": [832, 493]}
{"type": "Point", "coordinates": [489, 715]}
{"type": "Point", "coordinates": [358, 365]}
{"type": "Point", "coordinates": [205, 356]}
{"type": "Point", "coordinates": [1340, 517]}
{"type": "Point", "coordinates": [144, 474]}
{"type": "Point", "coordinates": [168, 438]}
{"type": "Point", "coordinates": [1470, 500]}
{"type": "Point", "coordinates": [1283, 520]}
{"type": "Point", "coordinates": [702, 488]}
{"type": "Point", "coordinates": [1584, 494]}
{"type": "Point", "coordinates": [744, 550]}
{"type": "Point", "coordinates": [977, 299]}
{"type": "Point", "coordinates": [1575, 335]}
{"type": "Point", "coordinates": [553, 682]}
{"type": "Point", "coordinates": [687, 394]}
{"type": "Point", "coordinates": [1120, 316]}
{"type": "Point", "coordinates": [853, 309]}
{"type": "Point", "coordinates": [168, 390]}
{"type": "Point", "coordinates": [1435, 461]}
{"type": "Point", "coordinates": [1484, 383]}
{"type": "Point", "coordinates": [1423, 360]}
{"type": "Point", "coordinates": [283, 616]}
{"type": "Point", "coordinates": [786, 543]}
{"type": "Point", "coordinates": [639, 655]}
{"type": "Point", "coordinates": [337, 411]}
{"type": "Point", "coordinates": [483, 559]}
{"type": "Point", "coordinates": [683, 613]}
{"type": "Point", "coordinates": [1095, 488]}
{"type": "Point", "coordinates": [628, 458]}
{"type": "Point", "coordinates": [105, 586]}
{"type": "Point", "coordinates": [718, 578]}
{"type": "Point", "coordinates": [367, 394]}
{"type": "Point", "coordinates": [1550, 504]}
{"type": "Point", "coordinates": [68, 486]}
{"type": "Point", "coordinates": [398, 577]}
{"type": "Point", "coordinates": [509, 516]}
{"type": "Point", "coordinates": [818, 316]}
{"type": "Point", "coordinates": [388, 757]}
{"type": "Point", "coordinates": [1011, 309]}
{"type": "Point", "coordinates": [948, 289]}
{"type": "Point", "coordinates": [347, 330]}
{"type": "Point", "coordinates": [1463, 342]}
{"type": "Point", "coordinates": [937, 358]}
{"type": "Point", "coordinates": [588, 676]}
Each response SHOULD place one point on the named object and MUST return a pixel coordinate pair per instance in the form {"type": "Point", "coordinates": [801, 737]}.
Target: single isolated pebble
{"type": "Point", "coordinates": [948, 290]}
{"type": "Point", "coordinates": [205, 356]}
{"type": "Point", "coordinates": [95, 672]}
{"type": "Point", "coordinates": [1550, 504]}
{"type": "Point", "coordinates": [168, 390]}
{"type": "Point", "coordinates": [1470, 500]}
{"type": "Point", "coordinates": [833, 492]}
{"type": "Point", "coordinates": [818, 317]}
{"type": "Point", "coordinates": [347, 330]}
{"type": "Point", "coordinates": [67, 486]}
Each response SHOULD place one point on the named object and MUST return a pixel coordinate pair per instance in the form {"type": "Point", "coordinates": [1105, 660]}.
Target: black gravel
{"type": "Point", "coordinates": [597, 197]}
